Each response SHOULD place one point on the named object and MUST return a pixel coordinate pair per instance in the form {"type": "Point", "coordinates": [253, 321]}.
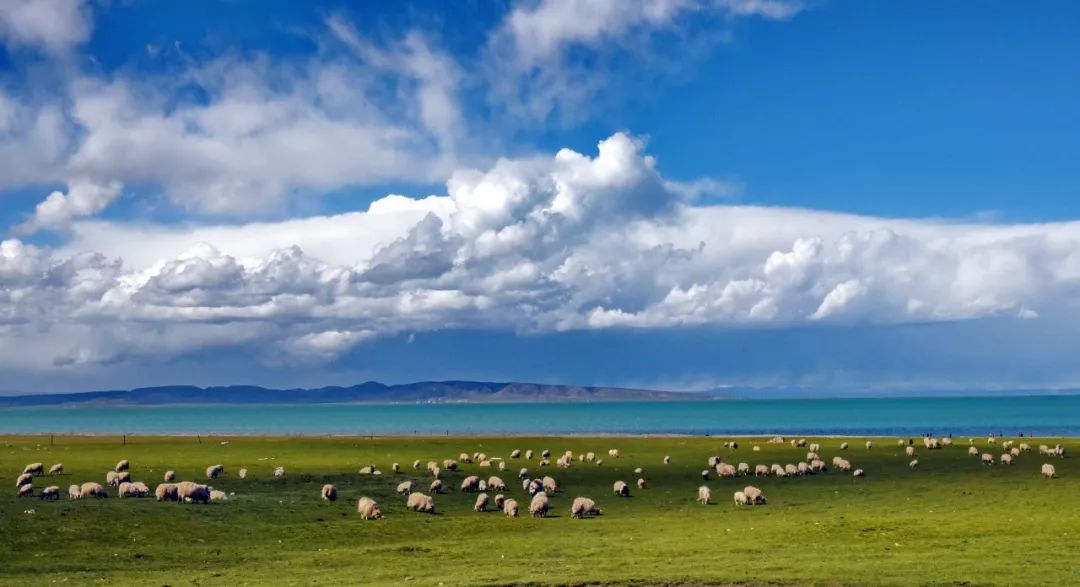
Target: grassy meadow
{"type": "Point", "coordinates": [951, 521]}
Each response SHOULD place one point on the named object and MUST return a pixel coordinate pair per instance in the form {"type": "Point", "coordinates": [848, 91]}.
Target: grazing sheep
{"type": "Point", "coordinates": [170, 475]}
{"type": "Point", "coordinates": [279, 472]}
{"type": "Point", "coordinates": [613, 453]}
{"type": "Point", "coordinates": [51, 493]}
{"type": "Point", "coordinates": [777, 471]}
{"type": "Point", "coordinates": [515, 454]}
{"type": "Point", "coordinates": [910, 451]}
{"type": "Point", "coordinates": [242, 473]}
{"type": "Point", "coordinates": [987, 458]}
{"type": "Point", "coordinates": [914, 463]}
{"type": "Point", "coordinates": [818, 466]}
{"type": "Point", "coordinates": [329, 492]}
{"type": "Point", "coordinates": [214, 471]}
{"type": "Point", "coordinates": [756, 448]}
{"type": "Point", "coordinates": [761, 471]}
{"type": "Point", "coordinates": [1025, 447]}
{"type": "Point", "coordinates": [499, 500]}
{"type": "Point", "coordinates": [523, 473]}
{"type": "Point", "coordinates": [812, 455]}
{"type": "Point", "coordinates": [481, 503]}
{"type": "Point", "coordinates": [189, 492]}
{"type": "Point", "coordinates": [464, 457]}
{"type": "Point", "coordinates": [743, 469]}
{"type": "Point", "coordinates": [1049, 471]}
{"type": "Point", "coordinates": [843, 446]}
{"type": "Point", "coordinates": [435, 472]}
{"type": "Point", "coordinates": [545, 453]}
{"type": "Point", "coordinates": [584, 506]}
{"type": "Point", "coordinates": [166, 491]}
{"type": "Point", "coordinates": [123, 465]}
{"type": "Point", "coordinates": [90, 488]}
{"type": "Point", "coordinates": [535, 486]}
{"type": "Point", "coordinates": [725, 470]}
{"type": "Point", "coordinates": [539, 505]}
{"type": "Point", "coordinates": [56, 469]}
{"type": "Point", "coordinates": [843, 465]}
{"type": "Point", "coordinates": [641, 483]}
{"type": "Point", "coordinates": [790, 470]}
{"type": "Point", "coordinates": [638, 471]}
{"type": "Point", "coordinates": [112, 478]}
{"type": "Point", "coordinates": [217, 495]}
{"type": "Point", "coordinates": [621, 489]}
{"type": "Point", "coordinates": [470, 483]}
{"type": "Point", "coordinates": [713, 461]}
{"type": "Point", "coordinates": [991, 440]}
{"type": "Point", "coordinates": [703, 495]}
{"type": "Point", "coordinates": [74, 492]}
{"type": "Point", "coordinates": [528, 454]}
{"type": "Point", "coordinates": [1006, 459]}
{"type": "Point", "coordinates": [973, 451]}
{"type": "Point", "coordinates": [599, 462]}
{"type": "Point", "coordinates": [741, 499]}
{"type": "Point", "coordinates": [416, 464]}
{"type": "Point", "coordinates": [450, 464]}
{"type": "Point", "coordinates": [481, 486]}
{"type": "Point", "coordinates": [590, 456]}
{"type": "Point", "coordinates": [754, 495]}
{"type": "Point", "coordinates": [26, 490]}
{"type": "Point", "coordinates": [369, 510]}
{"type": "Point", "coordinates": [858, 473]}
{"type": "Point", "coordinates": [124, 490]}
{"type": "Point", "coordinates": [23, 480]}
{"type": "Point", "coordinates": [367, 469]}
{"type": "Point", "coordinates": [1014, 451]}
{"type": "Point", "coordinates": [510, 508]}
{"type": "Point", "coordinates": [804, 468]}
{"type": "Point", "coordinates": [814, 447]}
{"type": "Point", "coordinates": [396, 467]}
{"type": "Point", "coordinates": [404, 488]}
{"type": "Point", "coordinates": [436, 486]}
{"type": "Point", "coordinates": [549, 485]}
{"type": "Point", "coordinates": [34, 469]}
{"type": "Point", "coordinates": [418, 502]}
{"type": "Point", "coordinates": [667, 460]}
{"type": "Point", "coordinates": [705, 475]}
{"type": "Point", "coordinates": [496, 484]}
{"type": "Point", "coordinates": [123, 477]}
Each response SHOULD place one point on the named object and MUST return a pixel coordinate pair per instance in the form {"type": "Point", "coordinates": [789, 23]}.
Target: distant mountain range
{"type": "Point", "coordinates": [422, 392]}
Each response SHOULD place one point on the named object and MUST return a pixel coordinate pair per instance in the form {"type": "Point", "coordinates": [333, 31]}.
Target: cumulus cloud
{"type": "Point", "coordinates": [53, 26]}
{"type": "Point", "coordinates": [567, 242]}
{"type": "Point", "coordinates": [83, 198]}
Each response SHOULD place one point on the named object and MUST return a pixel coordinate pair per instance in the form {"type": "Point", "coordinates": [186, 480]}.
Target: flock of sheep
{"type": "Point", "coordinates": [537, 490]}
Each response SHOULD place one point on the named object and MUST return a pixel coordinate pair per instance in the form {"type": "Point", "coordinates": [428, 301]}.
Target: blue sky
{"type": "Point", "coordinates": [678, 193]}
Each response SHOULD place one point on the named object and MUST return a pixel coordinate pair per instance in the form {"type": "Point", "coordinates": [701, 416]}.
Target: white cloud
{"type": "Point", "coordinates": [54, 26]}
{"type": "Point", "coordinates": [537, 244]}
{"type": "Point", "coordinates": [83, 198]}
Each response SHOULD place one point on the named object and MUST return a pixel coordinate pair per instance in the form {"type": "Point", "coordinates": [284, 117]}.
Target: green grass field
{"type": "Point", "coordinates": [950, 521]}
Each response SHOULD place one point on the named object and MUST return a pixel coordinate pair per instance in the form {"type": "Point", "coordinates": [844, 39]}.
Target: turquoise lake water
{"type": "Point", "coordinates": [1031, 415]}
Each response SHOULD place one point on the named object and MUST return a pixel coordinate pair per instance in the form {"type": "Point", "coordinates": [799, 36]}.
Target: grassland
{"type": "Point", "coordinates": [950, 521]}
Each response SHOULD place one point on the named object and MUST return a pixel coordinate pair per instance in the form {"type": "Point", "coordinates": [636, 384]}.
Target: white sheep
{"type": "Point", "coordinates": [418, 502]}
{"type": "Point", "coordinates": [703, 495]}
{"type": "Point", "coordinates": [1048, 471]}
{"type": "Point", "coordinates": [621, 489]}
{"type": "Point", "coordinates": [761, 471]}
{"type": "Point", "coordinates": [740, 498]}
{"type": "Point", "coordinates": [510, 508]}
{"type": "Point", "coordinates": [56, 469]}
{"type": "Point", "coordinates": [404, 488]}
{"type": "Point", "coordinates": [549, 484]}
{"type": "Point", "coordinates": [973, 451]}
{"type": "Point", "coordinates": [470, 483]}
{"type": "Point", "coordinates": [914, 463]}
{"type": "Point", "coordinates": [170, 475]}
{"type": "Point", "coordinates": [1006, 459]}
{"type": "Point", "coordinates": [539, 505]}
{"type": "Point", "coordinates": [869, 444]}
{"type": "Point", "coordinates": [25, 490]}
{"type": "Point", "coordinates": [51, 493]}
{"type": "Point", "coordinates": [496, 484]}
{"type": "Point", "coordinates": [481, 503]}
{"type": "Point", "coordinates": [910, 451]}
{"type": "Point", "coordinates": [754, 495]}
{"type": "Point", "coordinates": [279, 471]}
{"type": "Point", "coordinates": [858, 473]}
{"type": "Point", "coordinates": [74, 492]}
{"type": "Point", "coordinates": [214, 471]}
{"type": "Point", "coordinates": [516, 453]}
{"type": "Point", "coordinates": [987, 458]}
{"type": "Point", "coordinates": [667, 460]}
{"type": "Point", "coordinates": [369, 510]}
{"type": "Point", "coordinates": [328, 492]}
{"type": "Point", "coordinates": [23, 480]}
{"type": "Point", "coordinates": [436, 486]}
{"type": "Point", "coordinates": [217, 495]}
{"type": "Point", "coordinates": [641, 483]}
{"type": "Point", "coordinates": [843, 446]}
{"type": "Point", "coordinates": [91, 489]}
{"type": "Point", "coordinates": [613, 453]}
{"type": "Point", "coordinates": [582, 507]}
{"type": "Point", "coordinates": [34, 469]}
{"type": "Point", "coordinates": [396, 467]}
{"type": "Point", "coordinates": [166, 492]}
{"type": "Point", "coordinates": [123, 465]}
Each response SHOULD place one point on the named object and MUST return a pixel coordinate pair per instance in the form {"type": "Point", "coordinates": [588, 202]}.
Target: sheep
{"type": "Point", "coordinates": [539, 505]}
{"type": "Point", "coordinates": [740, 498]}
{"type": "Point", "coordinates": [1049, 471]}
{"type": "Point", "coordinates": [23, 480]}
{"type": "Point", "coordinates": [367, 469]}
{"type": "Point", "coordinates": [242, 473]}
{"type": "Point", "coordinates": [166, 491]}
{"type": "Point", "coordinates": [599, 462]}
{"type": "Point", "coordinates": [404, 488]}
{"type": "Point", "coordinates": [1025, 447]}
{"type": "Point", "coordinates": [528, 454]}
{"type": "Point", "coordinates": [470, 483]}
{"type": "Point", "coordinates": [621, 489]}
{"type": "Point", "coordinates": [217, 495]}
{"type": "Point", "coordinates": [214, 471]}
{"type": "Point", "coordinates": [613, 453]}
{"type": "Point", "coordinates": [761, 471]}
{"type": "Point", "coordinates": [535, 486]}
{"type": "Point", "coordinates": [279, 472]}
{"type": "Point", "coordinates": [549, 484]}
{"type": "Point", "coordinates": [869, 444]}
{"type": "Point", "coordinates": [90, 488]}
{"type": "Point", "coordinates": [843, 465]}
{"type": "Point", "coordinates": [991, 440]}
{"type": "Point", "coordinates": [416, 464]}
{"type": "Point", "coordinates": [170, 475]}
{"type": "Point", "coordinates": [756, 448]}
{"type": "Point", "coordinates": [502, 465]}
{"type": "Point", "coordinates": [725, 470]}
{"type": "Point", "coordinates": [510, 508]}
{"type": "Point", "coordinates": [987, 458]}
{"type": "Point", "coordinates": [910, 451]}
{"type": "Point", "coordinates": [812, 455]}
{"type": "Point", "coordinates": [973, 451]}
{"type": "Point", "coordinates": [480, 456]}
{"type": "Point", "coordinates": [123, 465]}
{"type": "Point", "coordinates": [584, 506]}
{"type": "Point", "coordinates": [56, 469]}
{"type": "Point", "coordinates": [481, 503]}
{"type": "Point", "coordinates": [818, 466]}
{"type": "Point", "coordinates": [814, 447]}
{"type": "Point", "coordinates": [743, 469]}
{"type": "Point", "coordinates": [801, 443]}
{"type": "Point", "coordinates": [638, 471]}
{"type": "Point", "coordinates": [590, 456]}
{"type": "Point", "coordinates": [450, 464]}
{"type": "Point", "coordinates": [137, 489]}
{"type": "Point", "coordinates": [804, 469]}
{"type": "Point", "coordinates": [51, 493]}
{"type": "Point", "coordinates": [112, 478]}
{"type": "Point", "coordinates": [328, 492]}
{"type": "Point", "coordinates": [947, 441]}
{"type": "Point", "coordinates": [436, 486]}
{"type": "Point", "coordinates": [843, 446]}
{"type": "Point", "coordinates": [34, 469]}
{"type": "Point", "coordinates": [790, 470]}
{"type": "Point", "coordinates": [523, 473]}
{"type": "Point", "coordinates": [464, 457]}
{"type": "Point", "coordinates": [396, 467]}
{"type": "Point", "coordinates": [123, 477]}
{"type": "Point", "coordinates": [640, 483]}
{"type": "Point", "coordinates": [496, 484]}
{"type": "Point", "coordinates": [667, 460]}
{"type": "Point", "coordinates": [499, 500]}
{"type": "Point", "coordinates": [74, 492]}
{"type": "Point", "coordinates": [1006, 459]}
{"type": "Point", "coordinates": [25, 490]}
{"type": "Point", "coordinates": [545, 453]}
{"type": "Point", "coordinates": [858, 473]}
{"type": "Point", "coordinates": [481, 486]}
{"type": "Point", "coordinates": [431, 466]}
{"type": "Point", "coordinates": [704, 474]}
{"type": "Point", "coordinates": [515, 454]}
{"type": "Point", "coordinates": [713, 461]}
{"type": "Point", "coordinates": [754, 495]}
{"type": "Point", "coordinates": [914, 463]}
{"type": "Point", "coordinates": [189, 492]}
{"type": "Point", "coordinates": [703, 495]}
{"type": "Point", "coordinates": [435, 472]}
{"type": "Point", "coordinates": [1014, 451]}
{"type": "Point", "coordinates": [369, 510]}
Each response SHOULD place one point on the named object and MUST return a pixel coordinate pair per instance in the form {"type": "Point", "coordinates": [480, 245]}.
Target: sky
{"type": "Point", "coordinates": [678, 194]}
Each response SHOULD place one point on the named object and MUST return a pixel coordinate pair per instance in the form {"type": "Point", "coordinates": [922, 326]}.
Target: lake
{"type": "Point", "coordinates": [1031, 415]}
